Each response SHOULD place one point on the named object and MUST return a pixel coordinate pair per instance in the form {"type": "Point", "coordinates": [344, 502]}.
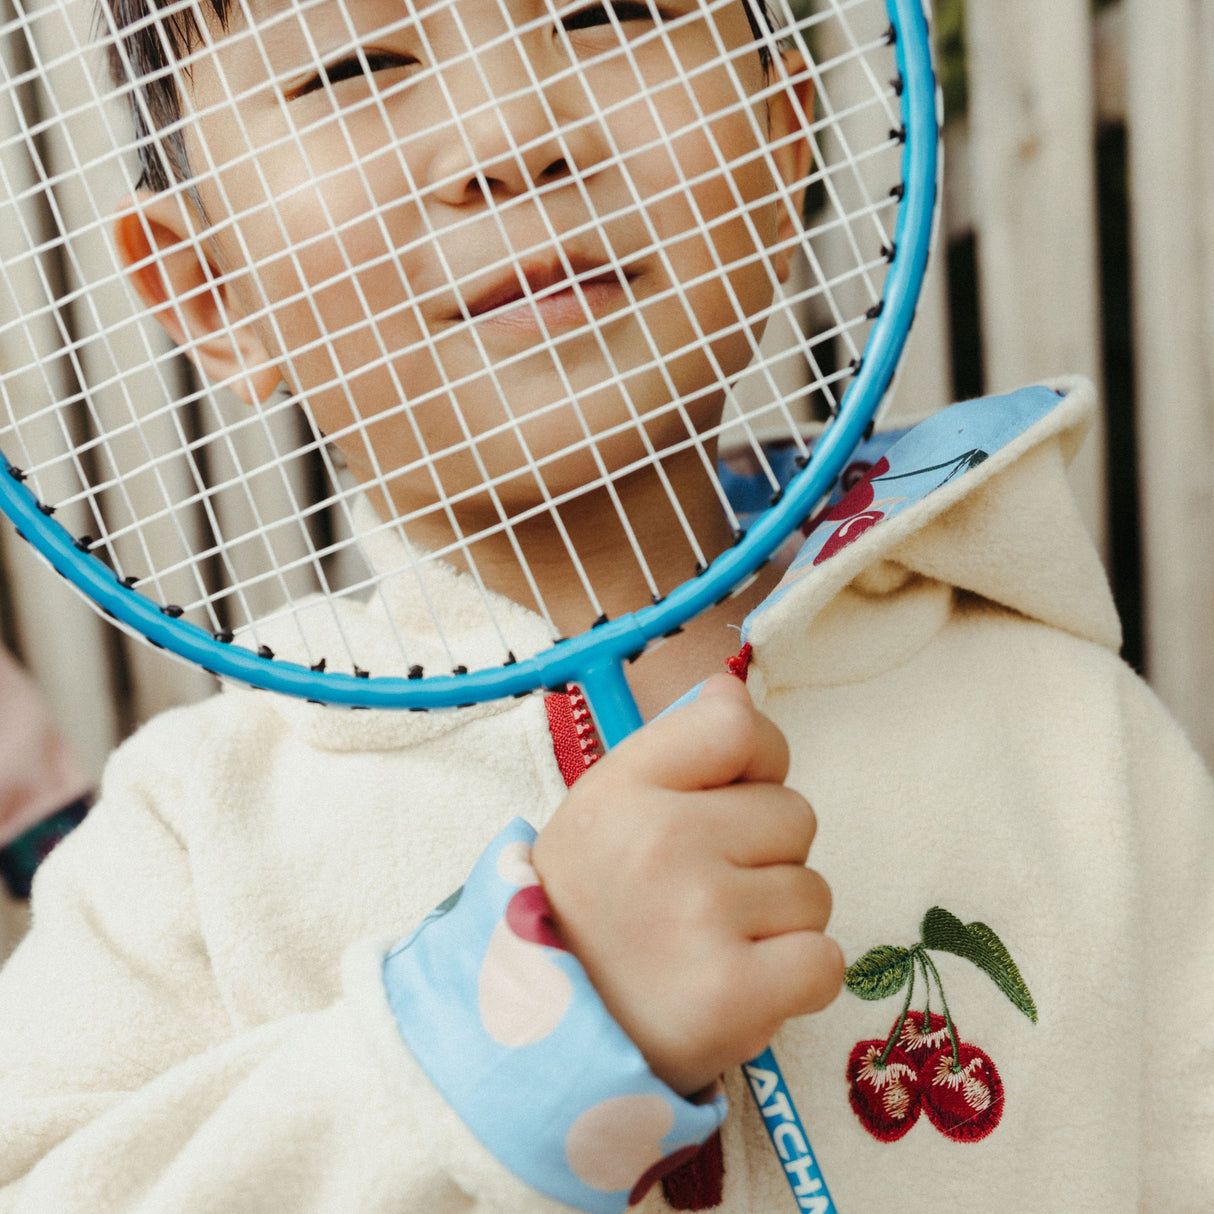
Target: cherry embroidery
{"type": "Point", "coordinates": [922, 1035]}
{"type": "Point", "coordinates": [923, 1065]}
{"type": "Point", "coordinates": [884, 1089]}
{"type": "Point", "coordinates": [962, 1099]}
{"type": "Point", "coordinates": [859, 496]}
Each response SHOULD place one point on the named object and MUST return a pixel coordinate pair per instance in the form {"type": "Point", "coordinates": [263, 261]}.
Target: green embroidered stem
{"type": "Point", "coordinates": [893, 1037]}
{"type": "Point", "coordinates": [948, 1019]}
{"type": "Point", "coordinates": [921, 959]}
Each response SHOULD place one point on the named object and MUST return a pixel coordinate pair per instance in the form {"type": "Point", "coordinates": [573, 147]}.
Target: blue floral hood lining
{"type": "Point", "coordinates": [976, 498]}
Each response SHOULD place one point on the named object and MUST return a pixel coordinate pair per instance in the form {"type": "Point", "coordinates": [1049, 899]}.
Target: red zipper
{"type": "Point", "coordinates": [574, 740]}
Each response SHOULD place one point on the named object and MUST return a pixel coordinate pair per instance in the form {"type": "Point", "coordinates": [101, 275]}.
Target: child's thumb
{"type": "Point", "coordinates": [719, 738]}
{"type": "Point", "coordinates": [725, 684]}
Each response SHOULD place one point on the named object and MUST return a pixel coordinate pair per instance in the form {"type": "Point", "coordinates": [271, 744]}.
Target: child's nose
{"type": "Point", "coordinates": [523, 136]}
{"type": "Point", "coordinates": [486, 156]}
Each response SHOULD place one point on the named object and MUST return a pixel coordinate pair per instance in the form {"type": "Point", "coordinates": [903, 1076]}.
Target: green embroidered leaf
{"type": "Point", "coordinates": [881, 972]}
{"type": "Point", "coordinates": [976, 942]}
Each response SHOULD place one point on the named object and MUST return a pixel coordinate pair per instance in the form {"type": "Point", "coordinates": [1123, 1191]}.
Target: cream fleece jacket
{"type": "Point", "coordinates": [197, 1019]}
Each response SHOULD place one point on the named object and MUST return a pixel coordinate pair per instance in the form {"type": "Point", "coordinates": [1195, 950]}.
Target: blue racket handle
{"type": "Point", "coordinates": [783, 1125]}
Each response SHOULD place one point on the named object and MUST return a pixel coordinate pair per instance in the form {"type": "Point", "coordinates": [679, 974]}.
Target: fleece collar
{"type": "Point", "coordinates": [394, 632]}
{"type": "Point", "coordinates": [973, 499]}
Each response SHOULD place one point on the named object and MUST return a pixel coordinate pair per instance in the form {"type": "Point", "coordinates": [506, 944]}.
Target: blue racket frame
{"type": "Point", "coordinates": [595, 660]}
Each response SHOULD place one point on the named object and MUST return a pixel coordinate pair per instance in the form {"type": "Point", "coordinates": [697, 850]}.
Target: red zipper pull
{"type": "Point", "coordinates": [739, 664]}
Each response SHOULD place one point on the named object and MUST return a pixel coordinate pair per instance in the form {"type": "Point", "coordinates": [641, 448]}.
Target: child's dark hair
{"type": "Point", "coordinates": [143, 51]}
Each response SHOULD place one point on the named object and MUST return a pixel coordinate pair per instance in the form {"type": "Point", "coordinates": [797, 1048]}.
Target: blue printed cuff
{"type": "Point", "coordinates": [512, 1033]}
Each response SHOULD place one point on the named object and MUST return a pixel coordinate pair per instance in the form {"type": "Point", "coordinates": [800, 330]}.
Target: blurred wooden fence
{"type": "Point", "coordinates": [1065, 109]}
{"type": "Point", "coordinates": [1078, 187]}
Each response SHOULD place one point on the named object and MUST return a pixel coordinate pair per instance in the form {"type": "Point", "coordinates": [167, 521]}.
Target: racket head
{"type": "Point", "coordinates": [898, 222]}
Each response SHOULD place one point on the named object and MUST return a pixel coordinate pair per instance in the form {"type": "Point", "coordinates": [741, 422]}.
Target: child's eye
{"type": "Point", "coordinates": [600, 14]}
{"type": "Point", "coordinates": [351, 68]}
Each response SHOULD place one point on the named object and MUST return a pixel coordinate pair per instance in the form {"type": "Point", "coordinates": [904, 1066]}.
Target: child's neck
{"type": "Point", "coordinates": [608, 557]}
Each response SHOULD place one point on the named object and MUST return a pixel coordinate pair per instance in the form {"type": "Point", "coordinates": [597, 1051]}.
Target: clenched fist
{"type": "Point", "coordinates": [676, 868]}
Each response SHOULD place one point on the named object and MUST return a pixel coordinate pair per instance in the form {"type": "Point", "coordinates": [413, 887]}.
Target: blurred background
{"type": "Point", "coordinates": [1077, 233]}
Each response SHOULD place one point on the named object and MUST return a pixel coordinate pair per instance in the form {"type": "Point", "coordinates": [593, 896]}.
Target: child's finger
{"type": "Point", "coordinates": [796, 973]}
{"type": "Point", "coordinates": [757, 824]}
{"type": "Point", "coordinates": [780, 899]}
{"type": "Point", "coordinates": [718, 739]}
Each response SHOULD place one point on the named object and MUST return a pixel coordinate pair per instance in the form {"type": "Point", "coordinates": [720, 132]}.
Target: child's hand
{"type": "Point", "coordinates": [676, 870]}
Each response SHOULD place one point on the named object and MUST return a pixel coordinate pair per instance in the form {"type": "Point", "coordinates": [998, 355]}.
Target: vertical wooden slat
{"type": "Point", "coordinates": [924, 379]}
{"type": "Point", "coordinates": [63, 645]}
{"type": "Point", "coordinates": [119, 345]}
{"type": "Point", "coordinates": [62, 642]}
{"type": "Point", "coordinates": [1033, 161]}
{"type": "Point", "coordinates": [1170, 90]}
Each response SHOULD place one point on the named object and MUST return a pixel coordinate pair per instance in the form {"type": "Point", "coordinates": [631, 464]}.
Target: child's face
{"type": "Point", "coordinates": [373, 236]}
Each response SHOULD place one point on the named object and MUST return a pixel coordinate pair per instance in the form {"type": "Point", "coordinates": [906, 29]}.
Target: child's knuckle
{"type": "Point", "coordinates": [662, 836]}
{"type": "Point", "coordinates": [800, 814]}
{"type": "Point", "coordinates": [699, 904]}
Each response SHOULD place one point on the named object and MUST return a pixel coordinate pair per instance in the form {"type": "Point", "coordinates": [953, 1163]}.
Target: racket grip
{"type": "Point", "coordinates": [787, 1134]}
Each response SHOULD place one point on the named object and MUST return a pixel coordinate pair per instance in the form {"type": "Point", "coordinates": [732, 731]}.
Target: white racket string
{"type": "Point", "coordinates": [589, 437]}
{"type": "Point", "coordinates": [854, 53]}
{"type": "Point", "coordinates": [512, 424]}
{"type": "Point", "coordinates": [380, 478]}
{"type": "Point", "coordinates": [117, 482]}
{"type": "Point", "coordinates": [238, 515]}
{"type": "Point", "coordinates": [590, 442]}
{"type": "Point", "coordinates": [663, 31]}
{"type": "Point", "coordinates": [347, 272]}
{"type": "Point", "coordinates": [766, 149]}
{"type": "Point", "coordinates": [250, 617]}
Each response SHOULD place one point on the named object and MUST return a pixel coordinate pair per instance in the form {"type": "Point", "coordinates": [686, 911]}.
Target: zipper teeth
{"type": "Point", "coordinates": [583, 724]}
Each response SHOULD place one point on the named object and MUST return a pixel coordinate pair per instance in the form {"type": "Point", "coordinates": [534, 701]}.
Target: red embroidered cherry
{"type": "Point", "coordinates": [859, 495]}
{"type": "Point", "coordinates": [858, 498]}
{"type": "Point", "coordinates": [963, 1098]}
{"type": "Point", "coordinates": [855, 472]}
{"type": "Point", "coordinates": [923, 1033]}
{"type": "Point", "coordinates": [956, 1084]}
{"type": "Point", "coordinates": [884, 1095]}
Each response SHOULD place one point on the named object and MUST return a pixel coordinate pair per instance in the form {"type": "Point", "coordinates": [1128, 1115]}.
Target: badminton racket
{"type": "Point", "coordinates": [324, 314]}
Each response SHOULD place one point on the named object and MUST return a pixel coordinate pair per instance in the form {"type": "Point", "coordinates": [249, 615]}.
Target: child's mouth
{"type": "Point", "coordinates": [553, 301]}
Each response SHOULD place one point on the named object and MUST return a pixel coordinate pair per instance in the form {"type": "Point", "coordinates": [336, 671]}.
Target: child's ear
{"type": "Point", "coordinates": [184, 291]}
{"type": "Point", "coordinates": [789, 116]}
